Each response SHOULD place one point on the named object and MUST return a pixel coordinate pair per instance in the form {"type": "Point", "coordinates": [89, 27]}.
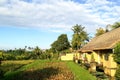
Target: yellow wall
{"type": "Point", "coordinates": [68, 56]}
{"type": "Point", "coordinates": [96, 57]}
{"type": "Point", "coordinates": [88, 57]}
{"type": "Point", "coordinates": [108, 65]}
{"type": "Point", "coordinates": [113, 71]}
{"type": "Point", "coordinates": [77, 55]}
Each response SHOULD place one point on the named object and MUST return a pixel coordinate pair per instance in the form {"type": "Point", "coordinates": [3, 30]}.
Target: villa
{"type": "Point", "coordinates": [102, 49]}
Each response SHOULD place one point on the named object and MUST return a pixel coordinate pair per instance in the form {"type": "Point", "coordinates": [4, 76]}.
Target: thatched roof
{"type": "Point", "coordinates": [104, 41]}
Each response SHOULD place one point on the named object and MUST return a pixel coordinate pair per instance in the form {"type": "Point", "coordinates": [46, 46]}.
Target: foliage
{"type": "Point", "coordinates": [8, 56]}
{"type": "Point", "coordinates": [100, 31]}
{"type": "Point", "coordinates": [15, 56]}
{"type": "Point", "coordinates": [61, 43]}
{"type": "Point", "coordinates": [79, 37]}
{"type": "Point", "coordinates": [1, 55]}
{"type": "Point", "coordinates": [116, 25]}
{"type": "Point", "coordinates": [56, 56]}
{"type": "Point", "coordinates": [37, 51]}
{"type": "Point", "coordinates": [117, 53]}
{"type": "Point", "coordinates": [116, 57]}
{"type": "Point", "coordinates": [117, 74]}
{"type": "Point", "coordinates": [22, 54]}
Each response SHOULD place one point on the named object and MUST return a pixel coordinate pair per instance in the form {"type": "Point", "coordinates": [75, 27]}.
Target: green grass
{"type": "Point", "coordinates": [39, 70]}
{"type": "Point", "coordinates": [9, 75]}
{"type": "Point", "coordinates": [44, 70]}
{"type": "Point", "coordinates": [13, 68]}
{"type": "Point", "coordinates": [79, 72]}
{"type": "Point", "coordinates": [8, 66]}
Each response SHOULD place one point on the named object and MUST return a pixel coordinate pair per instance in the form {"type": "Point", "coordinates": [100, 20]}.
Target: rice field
{"type": "Point", "coordinates": [42, 70]}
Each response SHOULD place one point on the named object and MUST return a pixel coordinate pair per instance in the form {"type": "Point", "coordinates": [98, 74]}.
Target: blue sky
{"type": "Point", "coordinates": [40, 22]}
{"type": "Point", "coordinates": [12, 37]}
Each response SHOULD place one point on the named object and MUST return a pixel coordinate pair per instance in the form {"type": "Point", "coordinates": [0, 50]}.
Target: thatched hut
{"type": "Point", "coordinates": [102, 47]}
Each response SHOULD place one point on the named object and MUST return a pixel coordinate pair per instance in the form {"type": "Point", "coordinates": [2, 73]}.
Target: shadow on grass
{"type": "Point", "coordinates": [41, 74]}
{"type": "Point", "coordinates": [11, 67]}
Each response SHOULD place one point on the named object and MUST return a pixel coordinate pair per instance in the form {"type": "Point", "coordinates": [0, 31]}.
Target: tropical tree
{"type": "Point", "coordinates": [37, 51]}
{"type": "Point", "coordinates": [100, 31]}
{"type": "Point", "coordinates": [79, 36]}
{"type": "Point", "coordinates": [25, 47]}
{"type": "Point", "coordinates": [117, 53]}
{"type": "Point", "coordinates": [116, 25]}
{"type": "Point", "coordinates": [108, 28]}
{"type": "Point", "coordinates": [61, 43]}
{"type": "Point", "coordinates": [117, 60]}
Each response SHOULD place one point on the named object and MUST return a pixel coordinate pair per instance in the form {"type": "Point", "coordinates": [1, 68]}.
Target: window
{"type": "Point", "coordinates": [101, 56]}
{"type": "Point", "coordinates": [106, 57]}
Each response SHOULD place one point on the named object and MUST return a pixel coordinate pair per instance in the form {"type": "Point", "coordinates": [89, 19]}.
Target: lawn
{"type": "Point", "coordinates": [44, 70]}
{"type": "Point", "coordinates": [79, 72]}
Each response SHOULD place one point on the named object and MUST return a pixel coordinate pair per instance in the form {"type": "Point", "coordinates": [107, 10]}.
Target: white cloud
{"type": "Point", "coordinates": [58, 15]}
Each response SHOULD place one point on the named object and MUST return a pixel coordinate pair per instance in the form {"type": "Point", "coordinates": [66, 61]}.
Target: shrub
{"type": "Point", "coordinates": [117, 53]}
{"type": "Point", "coordinates": [117, 60]}
{"type": "Point", "coordinates": [117, 74]}
{"type": "Point", "coordinates": [9, 56]}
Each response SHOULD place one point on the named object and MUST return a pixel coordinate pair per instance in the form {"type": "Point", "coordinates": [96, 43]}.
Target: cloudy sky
{"type": "Point", "coordinates": [40, 22]}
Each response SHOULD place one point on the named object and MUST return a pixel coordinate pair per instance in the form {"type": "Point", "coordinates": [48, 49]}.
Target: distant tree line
{"type": "Point", "coordinates": [24, 54]}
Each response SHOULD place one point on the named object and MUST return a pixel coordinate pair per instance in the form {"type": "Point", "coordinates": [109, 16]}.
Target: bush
{"type": "Point", "coordinates": [9, 57]}
{"type": "Point", "coordinates": [117, 74]}
{"type": "Point", "coordinates": [56, 56]}
{"type": "Point", "coordinates": [100, 75]}
{"type": "Point", "coordinates": [43, 56]}
{"type": "Point", "coordinates": [117, 53]}
{"type": "Point", "coordinates": [117, 60]}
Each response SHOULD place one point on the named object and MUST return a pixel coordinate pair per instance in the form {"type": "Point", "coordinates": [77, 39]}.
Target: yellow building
{"type": "Point", "coordinates": [67, 57]}
{"type": "Point", "coordinates": [70, 56]}
{"type": "Point", "coordinates": [101, 48]}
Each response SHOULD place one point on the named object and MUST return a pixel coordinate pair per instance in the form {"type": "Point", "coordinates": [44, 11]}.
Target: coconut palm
{"type": "Point", "coordinates": [79, 36]}
{"type": "Point", "coordinates": [37, 51]}
{"type": "Point", "coordinates": [116, 25]}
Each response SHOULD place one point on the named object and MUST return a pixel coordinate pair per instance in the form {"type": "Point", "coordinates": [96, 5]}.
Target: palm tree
{"type": "Point", "coordinates": [37, 51]}
{"type": "Point", "coordinates": [79, 36]}
{"type": "Point", "coordinates": [77, 29]}
{"type": "Point", "coordinates": [116, 25]}
{"type": "Point", "coordinates": [100, 31]}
